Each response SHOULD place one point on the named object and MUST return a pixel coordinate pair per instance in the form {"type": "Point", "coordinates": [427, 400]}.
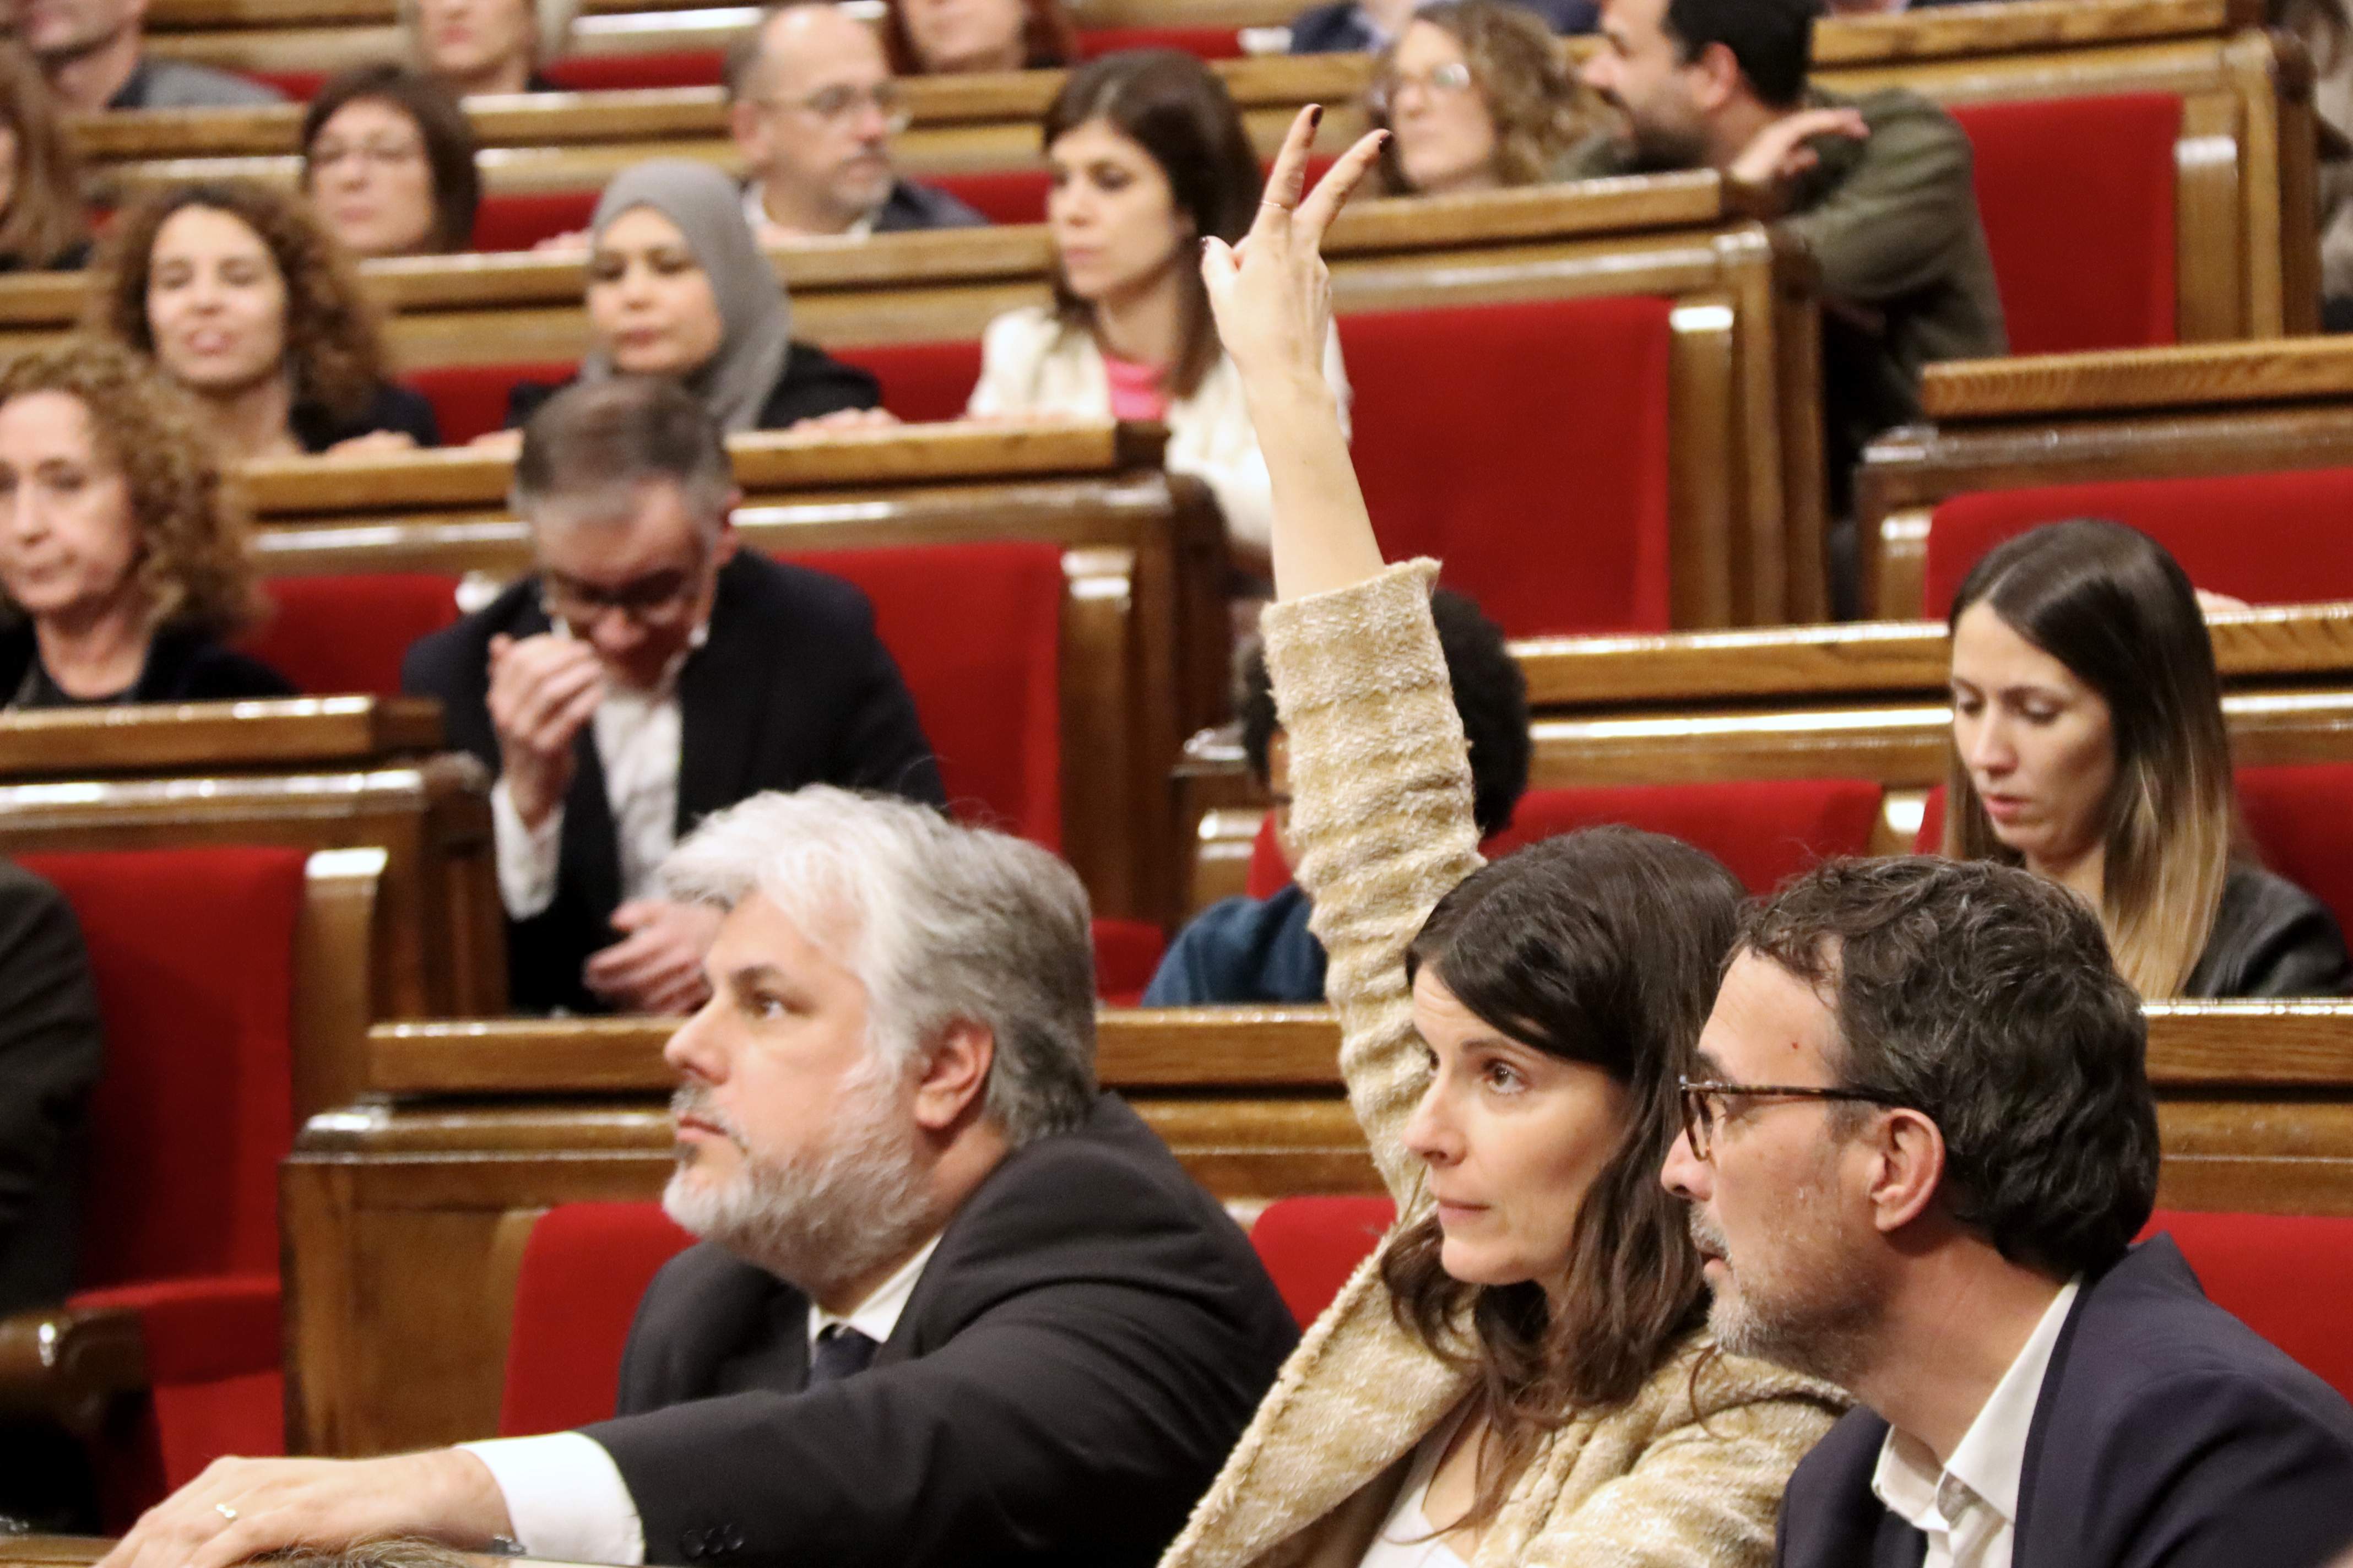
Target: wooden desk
{"type": "Point", "coordinates": [405, 1214]}
{"type": "Point", "coordinates": [154, 740]}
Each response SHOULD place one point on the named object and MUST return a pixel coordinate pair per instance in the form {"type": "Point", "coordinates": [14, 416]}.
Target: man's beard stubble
{"type": "Point", "coordinates": [1820, 1324]}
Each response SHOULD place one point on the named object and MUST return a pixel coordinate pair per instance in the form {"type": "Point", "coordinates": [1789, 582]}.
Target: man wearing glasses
{"type": "Point", "coordinates": [646, 674]}
{"type": "Point", "coordinates": [812, 107]}
{"type": "Point", "coordinates": [1919, 1143]}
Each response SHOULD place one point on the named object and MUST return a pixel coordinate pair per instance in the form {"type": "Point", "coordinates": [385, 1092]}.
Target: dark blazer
{"type": "Point", "coordinates": [2270, 938]}
{"type": "Point", "coordinates": [2167, 1434]}
{"type": "Point", "coordinates": [813, 383]}
{"type": "Point", "coordinates": [1088, 1341]}
{"type": "Point", "coordinates": [793, 687]}
{"type": "Point", "coordinates": [182, 666]}
{"type": "Point", "coordinates": [50, 1052]}
{"type": "Point", "coordinates": [400, 408]}
{"type": "Point", "coordinates": [912, 206]}
{"type": "Point", "coordinates": [1242, 952]}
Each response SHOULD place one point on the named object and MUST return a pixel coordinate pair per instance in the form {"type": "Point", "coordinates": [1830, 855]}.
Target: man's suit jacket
{"type": "Point", "coordinates": [1085, 1346]}
{"type": "Point", "coordinates": [50, 1054]}
{"type": "Point", "coordinates": [2166, 1434]}
{"type": "Point", "coordinates": [792, 688]}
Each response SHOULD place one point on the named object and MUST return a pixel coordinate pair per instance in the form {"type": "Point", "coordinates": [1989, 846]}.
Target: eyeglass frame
{"type": "Point", "coordinates": [1381, 96]}
{"type": "Point", "coordinates": [887, 97]}
{"type": "Point", "coordinates": [649, 612]}
{"type": "Point", "coordinates": [1699, 1130]}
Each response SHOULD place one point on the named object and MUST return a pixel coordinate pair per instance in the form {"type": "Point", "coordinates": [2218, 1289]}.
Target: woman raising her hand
{"type": "Point", "coordinates": [1524, 1374]}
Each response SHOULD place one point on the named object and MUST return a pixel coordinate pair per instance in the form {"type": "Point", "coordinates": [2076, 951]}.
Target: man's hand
{"type": "Point", "coordinates": [1779, 153]}
{"type": "Point", "coordinates": [657, 967]}
{"type": "Point", "coordinates": [543, 689]}
{"type": "Point", "coordinates": [242, 1508]}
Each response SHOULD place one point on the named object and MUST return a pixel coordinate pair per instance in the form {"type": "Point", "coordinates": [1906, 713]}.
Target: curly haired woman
{"type": "Point", "coordinates": [122, 554]}
{"type": "Point", "coordinates": [244, 300]}
{"type": "Point", "coordinates": [1474, 96]}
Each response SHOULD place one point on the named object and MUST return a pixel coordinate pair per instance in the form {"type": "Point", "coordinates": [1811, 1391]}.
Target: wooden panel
{"type": "Point", "coordinates": [2203, 375]}
{"type": "Point", "coordinates": [206, 737]}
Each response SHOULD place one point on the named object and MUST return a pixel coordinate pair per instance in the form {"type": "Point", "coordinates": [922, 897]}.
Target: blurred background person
{"type": "Point", "coordinates": [812, 107]}
{"type": "Point", "coordinates": [244, 301]}
{"type": "Point", "coordinates": [95, 56]}
{"type": "Point", "coordinates": [1149, 157]}
{"type": "Point", "coordinates": [1365, 26]}
{"type": "Point", "coordinates": [388, 163]}
{"type": "Point", "coordinates": [1474, 96]}
{"type": "Point", "coordinates": [43, 224]}
{"type": "Point", "coordinates": [123, 556]}
{"type": "Point", "coordinates": [478, 47]}
{"type": "Point", "coordinates": [941, 37]}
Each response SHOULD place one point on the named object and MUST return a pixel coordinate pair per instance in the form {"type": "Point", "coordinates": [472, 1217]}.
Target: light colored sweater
{"type": "Point", "coordinates": [1381, 805]}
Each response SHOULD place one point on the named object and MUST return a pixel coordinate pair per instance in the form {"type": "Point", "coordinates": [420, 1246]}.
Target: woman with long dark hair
{"type": "Point", "coordinates": [43, 224]}
{"type": "Point", "coordinates": [1524, 1374]}
{"type": "Point", "coordinates": [2088, 746]}
{"type": "Point", "coordinates": [388, 163]}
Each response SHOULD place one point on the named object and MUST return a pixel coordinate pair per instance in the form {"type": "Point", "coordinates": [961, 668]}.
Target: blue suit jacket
{"type": "Point", "coordinates": [2168, 1435]}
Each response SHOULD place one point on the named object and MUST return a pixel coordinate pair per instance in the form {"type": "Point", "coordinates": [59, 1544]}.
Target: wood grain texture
{"type": "Point", "coordinates": [2191, 376]}
{"type": "Point", "coordinates": [207, 736]}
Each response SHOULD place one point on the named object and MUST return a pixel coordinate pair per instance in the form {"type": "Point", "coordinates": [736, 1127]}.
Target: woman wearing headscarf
{"type": "Point", "coordinates": [677, 288]}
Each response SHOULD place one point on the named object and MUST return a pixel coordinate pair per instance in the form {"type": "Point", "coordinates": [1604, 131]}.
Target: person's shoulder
{"type": "Point", "coordinates": [453, 662]}
{"type": "Point", "coordinates": [218, 672]}
{"type": "Point", "coordinates": [813, 383]}
{"type": "Point", "coordinates": [808, 596]}
{"type": "Point", "coordinates": [1698, 1384]}
{"type": "Point", "coordinates": [1600, 155]}
{"type": "Point", "coordinates": [1025, 331]}
{"type": "Point", "coordinates": [1335, 28]}
{"type": "Point", "coordinates": [1898, 113]}
{"type": "Point", "coordinates": [184, 84]}
{"type": "Point", "coordinates": [1103, 1183]}
{"type": "Point", "coordinates": [913, 206]}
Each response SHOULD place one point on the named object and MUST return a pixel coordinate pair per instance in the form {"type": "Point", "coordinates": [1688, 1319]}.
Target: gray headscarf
{"type": "Point", "coordinates": [755, 321]}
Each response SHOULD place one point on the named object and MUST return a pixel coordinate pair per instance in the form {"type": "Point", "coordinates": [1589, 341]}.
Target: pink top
{"type": "Point", "coordinates": [1135, 390]}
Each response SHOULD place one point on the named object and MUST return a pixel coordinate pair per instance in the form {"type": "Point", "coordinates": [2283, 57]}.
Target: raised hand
{"type": "Point", "coordinates": [657, 966]}
{"type": "Point", "coordinates": [543, 689]}
{"type": "Point", "coordinates": [1779, 153]}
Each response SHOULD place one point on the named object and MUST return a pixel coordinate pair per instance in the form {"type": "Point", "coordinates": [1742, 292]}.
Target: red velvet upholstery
{"type": "Point", "coordinates": [1269, 872]}
{"type": "Point", "coordinates": [2287, 1277]}
{"type": "Point", "coordinates": [1127, 953]}
{"type": "Point", "coordinates": [1311, 1246]}
{"type": "Point", "coordinates": [2300, 822]}
{"type": "Point", "coordinates": [335, 635]}
{"type": "Point", "coordinates": [299, 86]}
{"type": "Point", "coordinates": [612, 73]}
{"type": "Point", "coordinates": [1525, 446]}
{"type": "Point", "coordinates": [1204, 43]}
{"type": "Point", "coordinates": [191, 951]}
{"type": "Point", "coordinates": [470, 400]}
{"type": "Point", "coordinates": [977, 629]}
{"type": "Point", "coordinates": [2077, 197]}
{"type": "Point", "coordinates": [519, 220]}
{"type": "Point", "coordinates": [1763, 830]}
{"type": "Point", "coordinates": [921, 382]}
{"type": "Point", "coordinates": [1930, 838]}
{"type": "Point", "coordinates": [2266, 538]}
{"type": "Point", "coordinates": [1011, 195]}
{"type": "Point", "coordinates": [583, 1271]}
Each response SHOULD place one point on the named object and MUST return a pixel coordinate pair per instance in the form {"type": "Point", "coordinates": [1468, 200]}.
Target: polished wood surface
{"type": "Point", "coordinates": [210, 737]}
{"type": "Point", "coordinates": [2200, 376]}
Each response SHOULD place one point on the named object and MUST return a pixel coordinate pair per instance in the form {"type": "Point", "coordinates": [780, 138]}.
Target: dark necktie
{"type": "Point", "coordinates": [841, 1352]}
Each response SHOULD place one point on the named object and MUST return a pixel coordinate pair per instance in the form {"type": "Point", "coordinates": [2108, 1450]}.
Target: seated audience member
{"type": "Point", "coordinates": [244, 300]}
{"type": "Point", "coordinates": [1923, 1144]}
{"type": "Point", "coordinates": [479, 47]}
{"type": "Point", "coordinates": [122, 558]}
{"type": "Point", "coordinates": [648, 673]}
{"type": "Point", "coordinates": [2089, 747]}
{"type": "Point", "coordinates": [946, 37]}
{"type": "Point", "coordinates": [1149, 158]}
{"type": "Point", "coordinates": [388, 163]}
{"type": "Point", "coordinates": [1368, 27]}
{"type": "Point", "coordinates": [44, 226]}
{"type": "Point", "coordinates": [2326, 32]}
{"type": "Point", "coordinates": [96, 59]}
{"type": "Point", "coordinates": [954, 1305]}
{"type": "Point", "coordinates": [1473, 96]}
{"type": "Point", "coordinates": [812, 107]}
{"type": "Point", "coordinates": [1243, 950]}
{"type": "Point", "coordinates": [1879, 188]}
{"type": "Point", "coordinates": [678, 288]}
{"type": "Point", "coordinates": [1521, 1375]}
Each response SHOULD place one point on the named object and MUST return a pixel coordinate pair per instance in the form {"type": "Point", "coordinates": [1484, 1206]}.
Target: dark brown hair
{"type": "Point", "coordinates": [1049, 42]}
{"type": "Point", "coordinates": [448, 135]}
{"type": "Point", "coordinates": [44, 220]}
{"type": "Point", "coordinates": [1531, 98]}
{"type": "Point", "coordinates": [333, 344]}
{"type": "Point", "coordinates": [1178, 111]}
{"type": "Point", "coordinates": [1601, 947]}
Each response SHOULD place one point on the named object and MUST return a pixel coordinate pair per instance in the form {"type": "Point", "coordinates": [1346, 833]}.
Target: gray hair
{"type": "Point", "coordinates": [940, 921]}
{"type": "Point", "coordinates": [593, 442]}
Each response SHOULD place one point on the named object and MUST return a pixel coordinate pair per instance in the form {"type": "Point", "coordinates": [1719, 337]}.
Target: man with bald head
{"type": "Point", "coordinates": [812, 107]}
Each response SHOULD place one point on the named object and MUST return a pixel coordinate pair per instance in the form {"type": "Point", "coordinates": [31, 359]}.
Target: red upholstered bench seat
{"type": "Point", "coordinates": [2287, 1277]}
{"type": "Point", "coordinates": [2270, 538]}
{"type": "Point", "coordinates": [1202, 43]}
{"type": "Point", "coordinates": [584, 1268]}
{"type": "Point", "coordinates": [518, 220]}
{"type": "Point", "coordinates": [334, 635]}
{"type": "Point", "coordinates": [651, 68]}
{"type": "Point", "coordinates": [1310, 1246]}
{"type": "Point", "coordinates": [470, 400]}
{"type": "Point", "coordinates": [921, 382]}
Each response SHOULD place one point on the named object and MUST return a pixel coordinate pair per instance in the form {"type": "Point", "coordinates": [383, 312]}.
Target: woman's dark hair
{"type": "Point", "coordinates": [1049, 42]}
{"type": "Point", "coordinates": [1177, 111]}
{"type": "Point", "coordinates": [2108, 602]}
{"type": "Point", "coordinates": [1773, 40]}
{"type": "Point", "coordinates": [44, 220]}
{"type": "Point", "coordinates": [1601, 947]}
{"type": "Point", "coordinates": [448, 134]}
{"type": "Point", "coordinates": [1491, 693]}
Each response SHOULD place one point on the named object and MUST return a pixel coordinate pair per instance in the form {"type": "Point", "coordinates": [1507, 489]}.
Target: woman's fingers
{"type": "Point", "coordinates": [1331, 192]}
{"type": "Point", "coordinates": [1290, 176]}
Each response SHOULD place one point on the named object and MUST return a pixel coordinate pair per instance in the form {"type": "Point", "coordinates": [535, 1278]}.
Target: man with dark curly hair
{"type": "Point", "coordinates": [1921, 1140]}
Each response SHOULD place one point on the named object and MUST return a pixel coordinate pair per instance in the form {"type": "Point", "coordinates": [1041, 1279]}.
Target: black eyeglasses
{"type": "Point", "coordinates": [1703, 1104]}
{"type": "Point", "coordinates": [656, 599]}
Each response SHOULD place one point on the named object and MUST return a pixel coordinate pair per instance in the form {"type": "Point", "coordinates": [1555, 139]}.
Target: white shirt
{"type": "Point", "coordinates": [1968, 1509]}
{"type": "Point", "coordinates": [756, 213]}
{"type": "Point", "coordinates": [565, 1494]}
{"type": "Point", "coordinates": [1407, 1539]}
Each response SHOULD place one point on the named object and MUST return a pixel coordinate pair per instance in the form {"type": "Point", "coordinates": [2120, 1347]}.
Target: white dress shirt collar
{"type": "Point", "coordinates": [878, 1315]}
{"type": "Point", "coordinates": [755, 213]}
{"type": "Point", "coordinates": [1968, 1507]}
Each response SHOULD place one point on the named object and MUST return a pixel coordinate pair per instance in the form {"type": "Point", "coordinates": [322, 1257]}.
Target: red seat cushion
{"type": "Point", "coordinates": [1126, 955]}
{"type": "Point", "coordinates": [2077, 196]}
{"type": "Point", "coordinates": [1010, 196]}
{"type": "Point", "coordinates": [658, 68]}
{"type": "Point", "coordinates": [1310, 1246]}
{"type": "Point", "coordinates": [921, 382]}
{"type": "Point", "coordinates": [299, 86]}
{"type": "Point", "coordinates": [2299, 820]}
{"type": "Point", "coordinates": [1269, 872]}
{"type": "Point", "coordinates": [583, 1271]}
{"type": "Point", "coordinates": [2287, 1277]}
{"type": "Point", "coordinates": [330, 636]}
{"type": "Point", "coordinates": [1202, 43]}
{"type": "Point", "coordinates": [1525, 446]}
{"type": "Point", "coordinates": [1763, 830]}
{"type": "Point", "coordinates": [2266, 538]}
{"type": "Point", "coordinates": [519, 220]}
{"type": "Point", "coordinates": [976, 631]}
{"type": "Point", "coordinates": [470, 400]}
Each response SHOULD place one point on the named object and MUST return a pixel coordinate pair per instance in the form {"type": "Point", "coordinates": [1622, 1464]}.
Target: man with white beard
{"type": "Point", "coordinates": [953, 1304]}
